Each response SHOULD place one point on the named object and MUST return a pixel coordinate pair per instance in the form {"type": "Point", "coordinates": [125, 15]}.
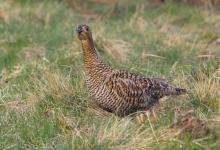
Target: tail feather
{"type": "Point", "coordinates": [169, 90]}
{"type": "Point", "coordinates": [177, 91]}
{"type": "Point", "coordinates": [180, 91]}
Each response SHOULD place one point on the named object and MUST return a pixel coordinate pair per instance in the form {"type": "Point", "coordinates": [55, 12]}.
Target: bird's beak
{"type": "Point", "coordinates": [78, 29]}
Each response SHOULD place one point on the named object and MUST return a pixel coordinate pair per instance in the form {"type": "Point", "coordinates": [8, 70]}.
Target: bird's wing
{"type": "Point", "coordinates": [131, 86]}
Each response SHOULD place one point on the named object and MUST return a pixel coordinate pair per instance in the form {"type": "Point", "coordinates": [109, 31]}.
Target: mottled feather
{"type": "Point", "coordinates": [117, 91]}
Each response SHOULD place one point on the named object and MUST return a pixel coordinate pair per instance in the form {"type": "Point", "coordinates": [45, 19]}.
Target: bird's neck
{"type": "Point", "coordinates": [94, 67]}
{"type": "Point", "coordinates": [90, 55]}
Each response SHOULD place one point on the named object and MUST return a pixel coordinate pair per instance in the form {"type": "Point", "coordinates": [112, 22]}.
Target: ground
{"type": "Point", "coordinates": [44, 103]}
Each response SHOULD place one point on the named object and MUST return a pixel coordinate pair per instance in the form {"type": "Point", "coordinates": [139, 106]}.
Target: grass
{"type": "Point", "coordinates": [44, 103]}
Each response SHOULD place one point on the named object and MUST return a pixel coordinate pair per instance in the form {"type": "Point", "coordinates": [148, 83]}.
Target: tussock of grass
{"type": "Point", "coordinates": [22, 107]}
{"type": "Point", "coordinates": [54, 85]}
{"type": "Point", "coordinates": [118, 49]}
{"type": "Point", "coordinates": [206, 90]}
{"type": "Point", "coordinates": [33, 53]}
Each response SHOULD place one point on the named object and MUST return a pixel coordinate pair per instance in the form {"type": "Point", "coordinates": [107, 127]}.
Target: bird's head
{"type": "Point", "coordinates": [83, 32]}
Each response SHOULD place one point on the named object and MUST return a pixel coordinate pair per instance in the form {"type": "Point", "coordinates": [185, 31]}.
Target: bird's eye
{"type": "Point", "coordinates": [87, 29]}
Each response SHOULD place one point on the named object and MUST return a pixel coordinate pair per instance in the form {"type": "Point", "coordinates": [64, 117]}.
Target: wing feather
{"type": "Point", "coordinates": [131, 92]}
{"type": "Point", "coordinates": [128, 85]}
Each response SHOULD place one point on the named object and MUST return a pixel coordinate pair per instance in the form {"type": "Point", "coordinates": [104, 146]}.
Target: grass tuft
{"type": "Point", "coordinates": [206, 90]}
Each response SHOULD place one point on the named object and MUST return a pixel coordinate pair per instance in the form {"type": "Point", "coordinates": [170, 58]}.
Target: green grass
{"type": "Point", "coordinates": [44, 103]}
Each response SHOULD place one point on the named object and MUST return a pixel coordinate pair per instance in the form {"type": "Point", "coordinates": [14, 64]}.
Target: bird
{"type": "Point", "coordinates": [118, 91]}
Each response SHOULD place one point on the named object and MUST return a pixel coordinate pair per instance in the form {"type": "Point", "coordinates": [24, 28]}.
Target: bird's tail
{"type": "Point", "coordinates": [177, 91]}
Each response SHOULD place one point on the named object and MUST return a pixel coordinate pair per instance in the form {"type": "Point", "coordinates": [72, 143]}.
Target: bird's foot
{"type": "Point", "coordinates": [140, 119]}
{"type": "Point", "coordinates": [150, 115]}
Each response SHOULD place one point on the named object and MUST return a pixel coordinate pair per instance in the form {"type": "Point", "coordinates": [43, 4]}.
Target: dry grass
{"type": "Point", "coordinates": [54, 84]}
{"type": "Point", "coordinates": [207, 90]}
{"type": "Point", "coordinates": [33, 53]}
{"type": "Point", "coordinates": [116, 48]}
{"type": "Point", "coordinates": [13, 74]}
{"type": "Point", "coordinates": [22, 107]}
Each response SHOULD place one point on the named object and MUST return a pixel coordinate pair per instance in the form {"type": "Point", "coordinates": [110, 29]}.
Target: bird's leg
{"type": "Point", "coordinates": [149, 113]}
{"type": "Point", "coordinates": [176, 117]}
{"type": "Point", "coordinates": [153, 114]}
{"type": "Point", "coordinates": [140, 119]}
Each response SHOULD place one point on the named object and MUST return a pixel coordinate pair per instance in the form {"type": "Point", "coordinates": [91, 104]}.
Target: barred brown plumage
{"type": "Point", "coordinates": [117, 91]}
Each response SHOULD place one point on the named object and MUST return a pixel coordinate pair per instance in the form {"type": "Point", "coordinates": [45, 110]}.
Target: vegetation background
{"type": "Point", "coordinates": [44, 103]}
